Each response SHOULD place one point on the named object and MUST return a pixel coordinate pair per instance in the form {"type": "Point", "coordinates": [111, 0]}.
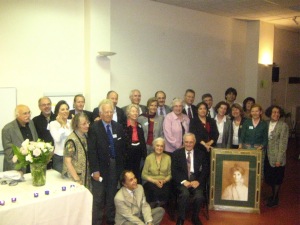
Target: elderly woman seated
{"type": "Point", "coordinates": [157, 174]}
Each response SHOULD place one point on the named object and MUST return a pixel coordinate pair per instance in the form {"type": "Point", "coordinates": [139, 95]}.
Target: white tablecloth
{"type": "Point", "coordinates": [70, 207]}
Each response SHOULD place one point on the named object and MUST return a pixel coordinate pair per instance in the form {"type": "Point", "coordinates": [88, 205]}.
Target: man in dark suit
{"type": "Point", "coordinates": [15, 132]}
{"type": "Point", "coordinates": [189, 172]}
{"type": "Point", "coordinates": [78, 104]}
{"type": "Point", "coordinates": [135, 98]}
{"type": "Point", "coordinates": [208, 99]}
{"type": "Point", "coordinates": [190, 109]}
{"type": "Point", "coordinates": [162, 108]}
{"type": "Point", "coordinates": [119, 115]}
{"type": "Point", "coordinates": [106, 154]}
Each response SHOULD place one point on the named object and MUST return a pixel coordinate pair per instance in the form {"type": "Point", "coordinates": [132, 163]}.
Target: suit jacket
{"type": "Point", "coordinates": [194, 111]}
{"type": "Point", "coordinates": [167, 109]}
{"type": "Point", "coordinates": [143, 107]}
{"type": "Point", "coordinates": [120, 115]}
{"type": "Point", "coordinates": [129, 210]}
{"type": "Point", "coordinates": [201, 133]}
{"type": "Point", "coordinates": [88, 113]}
{"type": "Point", "coordinates": [98, 148]}
{"type": "Point", "coordinates": [278, 143]}
{"type": "Point", "coordinates": [179, 167]}
{"type": "Point", "coordinates": [157, 129]}
{"type": "Point", "coordinates": [227, 134]}
{"type": "Point", "coordinates": [11, 135]}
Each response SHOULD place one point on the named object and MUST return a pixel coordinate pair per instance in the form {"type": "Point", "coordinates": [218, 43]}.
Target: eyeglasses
{"type": "Point", "coordinates": [11, 183]}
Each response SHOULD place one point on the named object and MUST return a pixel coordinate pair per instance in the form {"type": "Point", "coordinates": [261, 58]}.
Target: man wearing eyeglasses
{"type": "Point", "coordinates": [15, 132]}
{"type": "Point", "coordinates": [42, 121]}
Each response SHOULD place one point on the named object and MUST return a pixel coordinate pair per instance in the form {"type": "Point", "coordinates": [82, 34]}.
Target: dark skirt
{"type": "Point", "coordinates": [154, 193]}
{"type": "Point", "coordinates": [273, 175]}
{"type": "Point", "coordinates": [133, 161]}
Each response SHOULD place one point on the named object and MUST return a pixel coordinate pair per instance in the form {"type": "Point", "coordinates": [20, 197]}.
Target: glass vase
{"type": "Point", "coordinates": [38, 174]}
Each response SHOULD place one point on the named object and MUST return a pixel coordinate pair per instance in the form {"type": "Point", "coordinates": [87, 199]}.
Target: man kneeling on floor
{"type": "Point", "coordinates": [131, 204]}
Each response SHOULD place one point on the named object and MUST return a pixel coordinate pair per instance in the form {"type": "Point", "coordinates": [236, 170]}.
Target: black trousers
{"type": "Point", "coordinates": [183, 200]}
{"type": "Point", "coordinates": [133, 161]}
{"type": "Point", "coordinates": [103, 196]}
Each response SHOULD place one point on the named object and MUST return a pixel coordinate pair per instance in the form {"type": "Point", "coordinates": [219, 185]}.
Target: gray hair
{"type": "Point", "coordinates": [189, 135]}
{"type": "Point", "coordinates": [18, 108]}
{"type": "Point", "coordinates": [175, 100]}
{"type": "Point", "coordinates": [157, 140]}
{"type": "Point", "coordinates": [105, 102]}
{"type": "Point", "coordinates": [129, 107]}
{"type": "Point", "coordinates": [132, 91]}
{"type": "Point", "coordinates": [44, 97]}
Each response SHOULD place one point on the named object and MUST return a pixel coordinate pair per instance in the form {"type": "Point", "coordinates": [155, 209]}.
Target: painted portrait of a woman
{"type": "Point", "coordinates": [237, 190]}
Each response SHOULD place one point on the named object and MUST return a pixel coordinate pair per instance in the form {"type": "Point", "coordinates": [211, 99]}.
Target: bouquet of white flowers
{"type": "Point", "coordinates": [32, 152]}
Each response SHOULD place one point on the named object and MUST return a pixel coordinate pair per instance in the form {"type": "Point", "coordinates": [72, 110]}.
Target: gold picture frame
{"type": "Point", "coordinates": [235, 180]}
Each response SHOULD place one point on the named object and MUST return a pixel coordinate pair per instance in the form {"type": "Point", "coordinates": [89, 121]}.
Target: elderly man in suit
{"type": "Point", "coordinates": [119, 115]}
{"type": "Point", "coordinates": [189, 172]}
{"type": "Point", "coordinates": [162, 108]}
{"type": "Point", "coordinates": [106, 154]}
{"type": "Point", "coordinates": [15, 132]}
{"type": "Point", "coordinates": [190, 109]}
{"type": "Point", "coordinates": [78, 104]}
{"type": "Point", "coordinates": [131, 205]}
{"type": "Point", "coordinates": [135, 98]}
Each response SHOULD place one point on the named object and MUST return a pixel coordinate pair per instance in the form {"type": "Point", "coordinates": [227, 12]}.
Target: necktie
{"type": "Point", "coordinates": [209, 114]}
{"type": "Point", "coordinates": [183, 131]}
{"type": "Point", "coordinates": [134, 198]}
{"type": "Point", "coordinates": [188, 162]}
{"type": "Point", "coordinates": [190, 113]}
{"type": "Point", "coordinates": [161, 111]}
{"type": "Point", "coordinates": [111, 142]}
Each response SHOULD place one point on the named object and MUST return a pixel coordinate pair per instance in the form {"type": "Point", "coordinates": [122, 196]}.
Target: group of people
{"type": "Point", "coordinates": [153, 149]}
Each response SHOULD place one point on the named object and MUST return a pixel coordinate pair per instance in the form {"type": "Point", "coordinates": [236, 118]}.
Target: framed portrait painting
{"type": "Point", "coordinates": [235, 180]}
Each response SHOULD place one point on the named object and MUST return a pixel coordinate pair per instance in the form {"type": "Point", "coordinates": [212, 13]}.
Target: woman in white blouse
{"type": "Point", "coordinates": [237, 117]}
{"type": "Point", "coordinates": [60, 130]}
{"type": "Point", "coordinates": [224, 125]}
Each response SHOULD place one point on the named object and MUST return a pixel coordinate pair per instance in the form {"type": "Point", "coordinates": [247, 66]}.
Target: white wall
{"type": "Point", "coordinates": [170, 48]}
{"type": "Point", "coordinates": [51, 46]}
{"type": "Point", "coordinates": [41, 48]}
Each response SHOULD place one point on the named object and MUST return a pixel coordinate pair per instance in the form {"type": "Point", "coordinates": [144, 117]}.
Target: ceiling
{"type": "Point", "coordinates": [282, 13]}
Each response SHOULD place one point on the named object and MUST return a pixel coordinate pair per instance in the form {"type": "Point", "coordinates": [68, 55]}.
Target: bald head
{"type": "Point", "coordinates": [22, 114]}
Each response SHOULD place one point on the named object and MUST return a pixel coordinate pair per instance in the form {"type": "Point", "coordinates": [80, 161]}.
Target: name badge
{"type": "Point", "coordinates": [251, 127]}
{"type": "Point", "coordinates": [114, 136]}
{"type": "Point", "coordinates": [146, 123]}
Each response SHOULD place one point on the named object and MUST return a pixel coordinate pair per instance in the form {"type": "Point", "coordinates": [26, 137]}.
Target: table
{"type": "Point", "coordinates": [72, 206]}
